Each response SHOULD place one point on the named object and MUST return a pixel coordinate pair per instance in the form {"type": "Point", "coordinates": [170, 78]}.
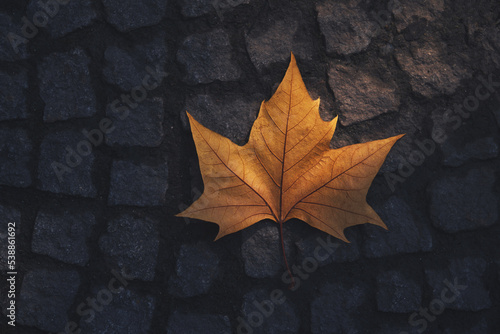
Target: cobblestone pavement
{"type": "Point", "coordinates": [96, 158]}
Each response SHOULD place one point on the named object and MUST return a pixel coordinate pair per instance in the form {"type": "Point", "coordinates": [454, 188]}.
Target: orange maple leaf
{"type": "Point", "coordinates": [287, 169]}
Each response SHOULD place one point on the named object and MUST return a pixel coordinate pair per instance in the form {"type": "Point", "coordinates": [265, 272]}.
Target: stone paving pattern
{"type": "Point", "coordinates": [97, 158]}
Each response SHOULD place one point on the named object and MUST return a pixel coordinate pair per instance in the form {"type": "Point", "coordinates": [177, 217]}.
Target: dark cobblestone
{"type": "Point", "coordinates": [337, 309]}
{"type": "Point", "coordinates": [126, 312]}
{"type": "Point", "coordinates": [196, 269]}
{"type": "Point", "coordinates": [74, 178]}
{"type": "Point", "coordinates": [362, 96]}
{"type": "Point", "coordinates": [346, 29]}
{"type": "Point", "coordinates": [397, 293]}
{"type": "Point", "coordinates": [15, 149]}
{"type": "Point", "coordinates": [208, 57]}
{"type": "Point", "coordinates": [460, 203]}
{"type": "Point", "coordinates": [63, 234]}
{"type": "Point", "coordinates": [195, 8]}
{"type": "Point", "coordinates": [65, 86]}
{"type": "Point", "coordinates": [231, 116]}
{"type": "Point", "coordinates": [271, 42]}
{"type": "Point", "coordinates": [14, 45]}
{"type": "Point", "coordinates": [406, 235]}
{"type": "Point", "coordinates": [180, 323]}
{"type": "Point", "coordinates": [463, 280]}
{"type": "Point", "coordinates": [129, 14]}
{"type": "Point", "coordinates": [13, 96]}
{"type": "Point", "coordinates": [131, 243]}
{"type": "Point", "coordinates": [128, 68]}
{"type": "Point", "coordinates": [138, 184]}
{"type": "Point", "coordinates": [261, 250]}
{"type": "Point", "coordinates": [282, 319]}
{"type": "Point", "coordinates": [62, 19]}
{"type": "Point", "coordinates": [143, 126]}
{"type": "Point", "coordinates": [46, 297]}
{"type": "Point", "coordinates": [483, 149]}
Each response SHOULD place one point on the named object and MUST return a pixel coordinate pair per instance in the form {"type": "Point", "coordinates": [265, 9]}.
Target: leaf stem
{"type": "Point", "coordinates": [292, 284]}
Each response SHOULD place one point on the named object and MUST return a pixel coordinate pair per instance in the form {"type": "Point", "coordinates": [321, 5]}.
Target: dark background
{"type": "Point", "coordinates": [384, 67]}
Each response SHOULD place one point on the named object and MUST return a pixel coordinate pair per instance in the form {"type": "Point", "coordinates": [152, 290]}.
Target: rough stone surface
{"type": "Point", "coordinates": [230, 115]}
{"type": "Point", "coordinates": [326, 249]}
{"type": "Point", "coordinates": [347, 29]}
{"type": "Point", "coordinates": [271, 42]}
{"type": "Point", "coordinates": [208, 57]}
{"type": "Point", "coordinates": [128, 68]}
{"type": "Point", "coordinates": [408, 12]}
{"type": "Point", "coordinates": [430, 73]}
{"type": "Point", "coordinates": [65, 86]}
{"type": "Point", "coordinates": [74, 178]}
{"type": "Point", "coordinates": [46, 297]}
{"type": "Point", "coordinates": [142, 126]}
{"type": "Point", "coordinates": [13, 95]}
{"type": "Point", "coordinates": [195, 8]}
{"type": "Point", "coordinates": [483, 149]}
{"type": "Point", "coordinates": [127, 312]}
{"type": "Point", "coordinates": [337, 309]}
{"type": "Point", "coordinates": [407, 234]}
{"type": "Point", "coordinates": [180, 323]}
{"type": "Point", "coordinates": [63, 235]}
{"type": "Point", "coordinates": [196, 269]}
{"type": "Point", "coordinates": [130, 14]}
{"type": "Point", "coordinates": [460, 203]}
{"type": "Point", "coordinates": [261, 250]}
{"type": "Point", "coordinates": [362, 96]}
{"type": "Point", "coordinates": [463, 280]}
{"type": "Point", "coordinates": [283, 319]}
{"type": "Point", "coordinates": [138, 184]}
{"type": "Point", "coordinates": [63, 18]}
{"type": "Point", "coordinates": [14, 46]}
{"type": "Point", "coordinates": [15, 152]}
{"type": "Point", "coordinates": [132, 243]}
{"type": "Point", "coordinates": [9, 215]}
{"type": "Point", "coordinates": [397, 293]}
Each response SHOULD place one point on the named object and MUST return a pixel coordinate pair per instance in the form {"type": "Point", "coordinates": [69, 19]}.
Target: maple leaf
{"type": "Point", "coordinates": [287, 169]}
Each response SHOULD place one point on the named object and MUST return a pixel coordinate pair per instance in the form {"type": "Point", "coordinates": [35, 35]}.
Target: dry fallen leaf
{"type": "Point", "coordinates": [287, 169]}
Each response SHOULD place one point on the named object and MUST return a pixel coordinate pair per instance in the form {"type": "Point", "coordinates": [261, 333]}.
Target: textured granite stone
{"type": "Point", "coordinates": [267, 311]}
{"type": "Point", "coordinates": [62, 19]}
{"type": "Point", "coordinates": [271, 41]}
{"type": "Point", "coordinates": [138, 184]}
{"type": "Point", "coordinates": [397, 293]}
{"type": "Point", "coordinates": [56, 175]}
{"type": "Point", "coordinates": [208, 57]}
{"type": "Point", "coordinates": [46, 297]}
{"type": "Point", "coordinates": [132, 243]}
{"type": "Point", "coordinates": [480, 149]}
{"type": "Point", "coordinates": [15, 152]}
{"type": "Point", "coordinates": [408, 12]}
{"type": "Point", "coordinates": [196, 269]}
{"type": "Point", "coordinates": [13, 89]}
{"type": "Point", "coordinates": [125, 312]}
{"type": "Point", "coordinates": [337, 309]}
{"type": "Point", "coordinates": [143, 126]}
{"type": "Point", "coordinates": [261, 250]}
{"type": "Point", "coordinates": [126, 15]}
{"type": "Point", "coordinates": [63, 234]}
{"type": "Point", "coordinates": [362, 96]}
{"type": "Point", "coordinates": [65, 86]}
{"type": "Point", "coordinates": [127, 68]}
{"type": "Point", "coordinates": [406, 234]}
{"type": "Point", "coordinates": [460, 203]}
{"type": "Point", "coordinates": [346, 28]}
{"type": "Point", "coordinates": [14, 45]}
{"type": "Point", "coordinates": [180, 323]}
{"type": "Point", "coordinates": [463, 281]}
